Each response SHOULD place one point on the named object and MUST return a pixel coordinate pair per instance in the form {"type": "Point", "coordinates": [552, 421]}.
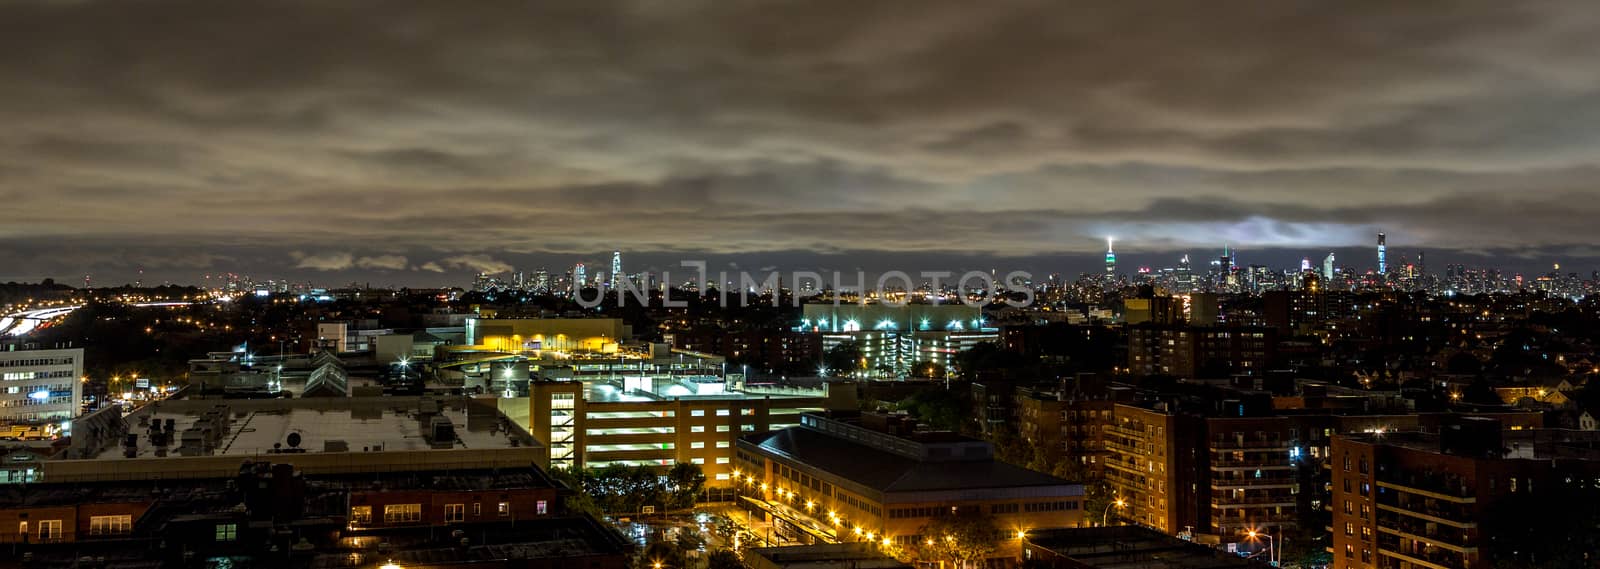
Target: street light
{"type": "Point", "coordinates": [1272, 551]}
{"type": "Point", "coordinates": [1106, 517]}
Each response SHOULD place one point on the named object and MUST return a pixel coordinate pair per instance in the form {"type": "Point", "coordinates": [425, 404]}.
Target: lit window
{"type": "Point", "coordinates": [49, 530]}
{"type": "Point", "coordinates": [227, 532]}
{"type": "Point", "coordinates": [541, 507]}
{"type": "Point", "coordinates": [402, 513]}
{"type": "Point", "coordinates": [504, 508]}
{"type": "Point", "coordinates": [110, 525]}
{"type": "Point", "coordinates": [361, 515]}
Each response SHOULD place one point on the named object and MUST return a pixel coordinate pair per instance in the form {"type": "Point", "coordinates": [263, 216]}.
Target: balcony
{"type": "Point", "coordinates": [1435, 559]}
{"type": "Point", "coordinates": [1222, 525]}
{"type": "Point", "coordinates": [1234, 444]}
{"type": "Point", "coordinates": [1115, 446]}
{"type": "Point", "coordinates": [1125, 467]}
{"type": "Point", "coordinates": [1128, 432]}
{"type": "Point", "coordinates": [1453, 540]}
{"type": "Point", "coordinates": [1265, 482]}
{"type": "Point", "coordinates": [1452, 518]}
{"type": "Point", "coordinates": [1224, 464]}
{"type": "Point", "coordinates": [1287, 501]}
{"type": "Point", "coordinates": [1433, 488]}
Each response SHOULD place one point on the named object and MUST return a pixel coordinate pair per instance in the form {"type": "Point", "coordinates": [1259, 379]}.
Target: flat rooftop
{"type": "Point", "coordinates": [392, 424]}
{"type": "Point", "coordinates": [1132, 547]}
{"type": "Point", "coordinates": [889, 472]}
{"type": "Point", "coordinates": [825, 556]}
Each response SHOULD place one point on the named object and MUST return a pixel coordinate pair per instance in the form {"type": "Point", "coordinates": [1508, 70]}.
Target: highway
{"type": "Point", "coordinates": [21, 323]}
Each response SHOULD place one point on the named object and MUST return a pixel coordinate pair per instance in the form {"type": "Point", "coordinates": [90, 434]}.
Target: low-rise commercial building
{"type": "Point", "coordinates": [873, 478]}
{"type": "Point", "coordinates": [692, 420]}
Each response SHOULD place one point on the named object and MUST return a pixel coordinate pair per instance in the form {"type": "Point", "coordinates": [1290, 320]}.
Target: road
{"type": "Point", "coordinates": [22, 323]}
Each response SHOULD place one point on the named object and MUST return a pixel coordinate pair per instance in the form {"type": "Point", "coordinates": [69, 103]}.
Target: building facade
{"type": "Point", "coordinates": [595, 424]}
{"type": "Point", "coordinates": [41, 387]}
{"type": "Point", "coordinates": [874, 478]}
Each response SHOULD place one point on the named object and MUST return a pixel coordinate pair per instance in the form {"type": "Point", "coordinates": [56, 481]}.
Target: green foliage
{"type": "Point", "coordinates": [668, 555]}
{"type": "Point", "coordinates": [685, 483]}
{"type": "Point", "coordinates": [843, 359]}
{"type": "Point", "coordinates": [927, 369]}
{"type": "Point", "coordinates": [986, 356]}
{"type": "Point", "coordinates": [724, 559]}
{"type": "Point", "coordinates": [959, 539]}
{"type": "Point", "coordinates": [618, 490]}
{"type": "Point", "coordinates": [580, 500]}
{"type": "Point", "coordinates": [939, 408]}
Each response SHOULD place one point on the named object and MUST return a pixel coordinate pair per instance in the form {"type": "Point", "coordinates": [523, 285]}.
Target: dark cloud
{"type": "Point", "coordinates": [418, 140]}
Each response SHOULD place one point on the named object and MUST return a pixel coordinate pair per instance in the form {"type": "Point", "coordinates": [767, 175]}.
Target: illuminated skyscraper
{"type": "Point", "coordinates": [1305, 264]}
{"type": "Point", "coordinates": [1383, 261]}
{"type": "Point", "coordinates": [580, 277]}
{"type": "Point", "coordinates": [1111, 260]}
{"type": "Point", "coordinates": [541, 281]}
{"type": "Point", "coordinates": [616, 268]}
{"type": "Point", "coordinates": [1327, 267]}
{"type": "Point", "coordinates": [1185, 275]}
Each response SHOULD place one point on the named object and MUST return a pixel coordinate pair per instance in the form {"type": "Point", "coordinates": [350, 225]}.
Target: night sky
{"type": "Point", "coordinates": [418, 143]}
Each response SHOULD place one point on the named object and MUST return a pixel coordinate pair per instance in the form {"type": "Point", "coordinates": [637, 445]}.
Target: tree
{"type": "Point", "coordinates": [939, 408]}
{"type": "Point", "coordinates": [927, 369]}
{"type": "Point", "coordinates": [661, 554]}
{"type": "Point", "coordinates": [724, 559]}
{"type": "Point", "coordinates": [968, 536]}
{"type": "Point", "coordinates": [685, 483]}
{"type": "Point", "coordinates": [843, 359]}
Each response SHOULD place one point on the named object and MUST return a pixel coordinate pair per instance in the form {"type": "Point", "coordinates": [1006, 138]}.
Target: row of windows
{"type": "Point", "coordinates": [803, 480]}
{"type": "Point", "coordinates": [412, 513]}
{"type": "Point", "coordinates": [36, 362]}
{"type": "Point", "coordinates": [862, 505]}
{"type": "Point", "coordinates": [26, 375]}
{"type": "Point", "coordinates": [1050, 506]}
{"type": "Point", "coordinates": [110, 525]}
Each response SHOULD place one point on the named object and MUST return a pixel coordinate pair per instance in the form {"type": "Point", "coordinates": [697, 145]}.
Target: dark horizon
{"type": "Point", "coordinates": [1069, 266]}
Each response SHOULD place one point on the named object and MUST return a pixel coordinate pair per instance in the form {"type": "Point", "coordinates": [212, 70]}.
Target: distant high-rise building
{"type": "Point", "coordinates": [1327, 267]}
{"type": "Point", "coordinates": [1383, 261]}
{"type": "Point", "coordinates": [1185, 276]}
{"type": "Point", "coordinates": [541, 281]}
{"type": "Point", "coordinates": [1111, 260]}
{"type": "Point", "coordinates": [580, 277]}
{"type": "Point", "coordinates": [1305, 264]}
{"type": "Point", "coordinates": [616, 269]}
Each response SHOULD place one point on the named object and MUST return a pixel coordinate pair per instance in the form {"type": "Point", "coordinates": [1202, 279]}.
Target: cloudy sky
{"type": "Point", "coordinates": [417, 143]}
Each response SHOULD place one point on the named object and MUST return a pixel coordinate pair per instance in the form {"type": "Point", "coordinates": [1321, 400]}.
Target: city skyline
{"type": "Point", "coordinates": [427, 141]}
{"type": "Point", "coordinates": [342, 269]}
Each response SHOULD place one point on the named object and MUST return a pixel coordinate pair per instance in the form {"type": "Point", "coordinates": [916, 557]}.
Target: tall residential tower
{"type": "Point", "coordinates": [1383, 261]}
{"type": "Point", "coordinates": [616, 268]}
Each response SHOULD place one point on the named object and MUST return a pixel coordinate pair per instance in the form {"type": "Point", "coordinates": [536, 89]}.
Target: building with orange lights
{"type": "Point", "coordinates": [874, 478]}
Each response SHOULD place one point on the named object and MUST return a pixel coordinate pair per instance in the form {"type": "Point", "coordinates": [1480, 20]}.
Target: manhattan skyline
{"type": "Point", "coordinates": [417, 144]}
